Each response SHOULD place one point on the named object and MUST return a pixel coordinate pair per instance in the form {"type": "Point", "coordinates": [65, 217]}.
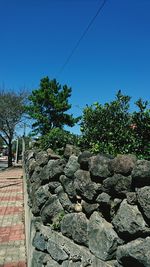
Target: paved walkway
{"type": "Point", "coordinates": [12, 237]}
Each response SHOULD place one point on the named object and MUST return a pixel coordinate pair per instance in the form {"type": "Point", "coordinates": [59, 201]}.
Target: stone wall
{"type": "Point", "coordinates": [88, 210]}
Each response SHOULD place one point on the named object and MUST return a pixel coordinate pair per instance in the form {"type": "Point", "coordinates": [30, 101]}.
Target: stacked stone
{"type": "Point", "coordinates": [89, 210]}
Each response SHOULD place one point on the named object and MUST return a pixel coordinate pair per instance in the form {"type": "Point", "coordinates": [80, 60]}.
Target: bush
{"type": "Point", "coordinates": [57, 139]}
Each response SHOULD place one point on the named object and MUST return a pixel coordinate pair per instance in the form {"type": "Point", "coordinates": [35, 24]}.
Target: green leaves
{"type": "Point", "coordinates": [48, 106]}
{"type": "Point", "coordinates": [112, 128]}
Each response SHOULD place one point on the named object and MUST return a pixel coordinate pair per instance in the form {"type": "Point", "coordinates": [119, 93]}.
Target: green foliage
{"type": "Point", "coordinates": [57, 140]}
{"type": "Point", "coordinates": [57, 220]}
{"type": "Point", "coordinates": [48, 107]}
{"type": "Point", "coordinates": [111, 128]}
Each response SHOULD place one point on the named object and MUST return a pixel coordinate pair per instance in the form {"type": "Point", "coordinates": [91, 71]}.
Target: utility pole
{"type": "Point", "coordinates": [16, 158]}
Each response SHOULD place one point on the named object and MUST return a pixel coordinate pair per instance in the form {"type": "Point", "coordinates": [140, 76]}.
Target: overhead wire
{"type": "Point", "coordinates": [82, 36]}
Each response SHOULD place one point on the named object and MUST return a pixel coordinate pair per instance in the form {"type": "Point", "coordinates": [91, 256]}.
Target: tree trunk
{"type": "Point", "coordinates": [10, 154]}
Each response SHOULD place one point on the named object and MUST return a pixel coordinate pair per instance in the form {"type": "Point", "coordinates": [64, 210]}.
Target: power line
{"type": "Point", "coordinates": [82, 36]}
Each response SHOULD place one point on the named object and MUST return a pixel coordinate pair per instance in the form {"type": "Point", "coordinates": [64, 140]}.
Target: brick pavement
{"type": "Point", "coordinates": [12, 237]}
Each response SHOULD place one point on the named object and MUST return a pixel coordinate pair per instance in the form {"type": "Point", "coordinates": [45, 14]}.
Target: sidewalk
{"type": "Point", "coordinates": [12, 237]}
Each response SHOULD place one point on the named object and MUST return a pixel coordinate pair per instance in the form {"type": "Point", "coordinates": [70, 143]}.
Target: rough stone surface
{"type": "Point", "coordinates": [98, 166]}
{"type": "Point", "coordinates": [74, 225]}
{"type": "Point", "coordinates": [72, 166]}
{"type": "Point", "coordinates": [41, 158]}
{"type": "Point", "coordinates": [83, 184]}
{"type": "Point", "coordinates": [141, 173]}
{"type": "Point", "coordinates": [71, 150]}
{"type": "Point", "coordinates": [103, 240]}
{"type": "Point", "coordinates": [83, 160]}
{"type": "Point", "coordinates": [129, 221]}
{"type": "Point", "coordinates": [117, 185]}
{"type": "Point", "coordinates": [39, 242]}
{"type": "Point", "coordinates": [131, 198]}
{"type": "Point", "coordinates": [56, 252]}
{"type": "Point", "coordinates": [51, 209]}
{"type": "Point", "coordinates": [135, 253]}
{"type": "Point", "coordinates": [143, 196]}
{"type": "Point", "coordinates": [123, 164]}
{"type": "Point", "coordinates": [68, 186]}
{"type": "Point", "coordinates": [89, 208]}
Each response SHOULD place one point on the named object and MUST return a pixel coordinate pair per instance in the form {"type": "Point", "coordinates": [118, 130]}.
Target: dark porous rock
{"type": "Point", "coordinates": [71, 150]}
{"type": "Point", "coordinates": [68, 186]}
{"type": "Point", "coordinates": [42, 195]}
{"type": "Point", "coordinates": [117, 185]}
{"type": "Point", "coordinates": [103, 240]}
{"type": "Point", "coordinates": [98, 166]}
{"type": "Point", "coordinates": [141, 173]}
{"type": "Point", "coordinates": [52, 263]}
{"type": "Point", "coordinates": [51, 154]}
{"type": "Point", "coordinates": [64, 199]}
{"type": "Point", "coordinates": [103, 199]}
{"type": "Point", "coordinates": [143, 196]}
{"type": "Point", "coordinates": [38, 258]}
{"type": "Point", "coordinates": [36, 174]}
{"type": "Point", "coordinates": [56, 168]}
{"type": "Point", "coordinates": [131, 198]}
{"type": "Point", "coordinates": [53, 185]}
{"type": "Point", "coordinates": [33, 188]}
{"type": "Point", "coordinates": [83, 160]}
{"type": "Point", "coordinates": [74, 225]}
{"type": "Point", "coordinates": [39, 242]}
{"type": "Point", "coordinates": [41, 158]}
{"type": "Point", "coordinates": [135, 253]}
{"type": "Point", "coordinates": [72, 166]}
{"type": "Point", "coordinates": [51, 209]}
{"type": "Point", "coordinates": [56, 252]}
{"type": "Point", "coordinates": [104, 205]}
{"type": "Point", "coordinates": [44, 174]}
{"type": "Point", "coordinates": [123, 164]}
{"type": "Point", "coordinates": [89, 208]}
{"type": "Point", "coordinates": [129, 222]}
{"type": "Point", "coordinates": [83, 184]}
{"type": "Point", "coordinates": [32, 164]}
{"type": "Point", "coordinates": [114, 206]}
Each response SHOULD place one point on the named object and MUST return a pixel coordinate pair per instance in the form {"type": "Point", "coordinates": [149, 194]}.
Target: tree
{"type": "Point", "coordinates": [106, 128]}
{"type": "Point", "coordinates": [11, 111]}
{"type": "Point", "coordinates": [48, 106]}
{"type": "Point", "coordinates": [112, 128]}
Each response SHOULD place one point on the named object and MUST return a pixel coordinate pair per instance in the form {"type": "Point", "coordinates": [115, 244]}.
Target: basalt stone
{"type": "Point", "coordinates": [56, 252]}
{"type": "Point", "coordinates": [71, 150]}
{"type": "Point", "coordinates": [52, 263]}
{"type": "Point", "coordinates": [39, 242]}
{"type": "Point", "coordinates": [114, 207]}
{"type": "Point", "coordinates": [83, 160]}
{"type": "Point", "coordinates": [68, 186]}
{"type": "Point", "coordinates": [41, 158]}
{"type": "Point", "coordinates": [51, 154]}
{"type": "Point", "coordinates": [74, 225]}
{"type": "Point", "coordinates": [83, 184]}
{"type": "Point", "coordinates": [135, 253]}
{"type": "Point", "coordinates": [89, 208]}
{"type": "Point", "coordinates": [117, 185]}
{"type": "Point", "coordinates": [32, 164]}
{"type": "Point", "coordinates": [141, 173]}
{"type": "Point", "coordinates": [143, 196]}
{"type": "Point", "coordinates": [36, 174]}
{"type": "Point", "coordinates": [123, 164]}
{"type": "Point", "coordinates": [53, 186]}
{"type": "Point", "coordinates": [51, 209]}
{"type": "Point", "coordinates": [103, 199]}
{"type": "Point", "coordinates": [98, 166]}
{"type": "Point", "coordinates": [56, 168]}
{"type": "Point", "coordinates": [38, 258]}
{"type": "Point", "coordinates": [72, 166]}
{"type": "Point", "coordinates": [131, 198]}
{"type": "Point", "coordinates": [42, 195]}
{"type": "Point", "coordinates": [129, 222]}
{"type": "Point", "coordinates": [64, 199]}
{"type": "Point", "coordinates": [103, 240]}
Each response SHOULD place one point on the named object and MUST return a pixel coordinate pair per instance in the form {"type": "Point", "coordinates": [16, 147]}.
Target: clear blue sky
{"type": "Point", "coordinates": [36, 37]}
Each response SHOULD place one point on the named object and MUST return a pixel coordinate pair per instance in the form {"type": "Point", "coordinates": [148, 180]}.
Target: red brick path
{"type": "Point", "coordinates": [12, 237]}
